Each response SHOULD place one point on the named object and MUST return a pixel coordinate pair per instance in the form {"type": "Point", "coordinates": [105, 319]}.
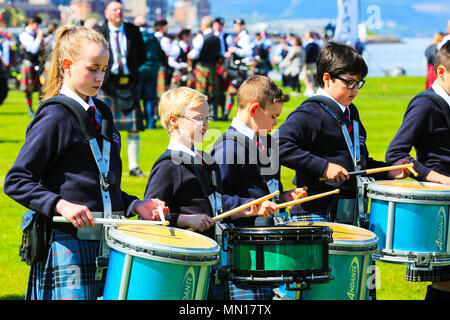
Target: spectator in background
{"type": "Point", "coordinates": [32, 40]}
{"type": "Point", "coordinates": [292, 65]}
{"type": "Point", "coordinates": [148, 72]}
{"type": "Point", "coordinates": [119, 90]}
{"type": "Point", "coordinates": [430, 55]}
{"type": "Point", "coordinates": [308, 74]}
{"type": "Point", "coordinates": [5, 60]}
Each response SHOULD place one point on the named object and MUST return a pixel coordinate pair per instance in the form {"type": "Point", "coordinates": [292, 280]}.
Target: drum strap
{"type": "Point", "coordinates": [335, 111]}
{"type": "Point", "coordinates": [271, 182]}
{"type": "Point", "coordinates": [206, 171]}
{"type": "Point", "coordinates": [445, 108]}
{"type": "Point", "coordinates": [101, 158]}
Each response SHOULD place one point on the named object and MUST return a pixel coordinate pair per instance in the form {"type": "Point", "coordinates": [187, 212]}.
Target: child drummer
{"type": "Point", "coordinates": [425, 128]}
{"type": "Point", "coordinates": [253, 174]}
{"type": "Point", "coordinates": [314, 145]}
{"type": "Point", "coordinates": [56, 173]}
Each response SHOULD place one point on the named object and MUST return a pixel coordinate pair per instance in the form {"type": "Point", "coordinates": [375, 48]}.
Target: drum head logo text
{"type": "Point", "coordinates": [442, 223]}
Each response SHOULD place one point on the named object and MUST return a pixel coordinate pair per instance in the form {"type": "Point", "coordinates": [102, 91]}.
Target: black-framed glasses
{"type": "Point", "coordinates": [204, 119]}
{"type": "Point", "coordinates": [352, 84]}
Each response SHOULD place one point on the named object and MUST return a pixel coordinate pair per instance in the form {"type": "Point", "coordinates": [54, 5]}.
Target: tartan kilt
{"type": "Point", "coordinates": [68, 273]}
{"type": "Point", "coordinates": [247, 292]}
{"type": "Point", "coordinates": [161, 85]}
{"type": "Point", "coordinates": [437, 274]}
{"type": "Point", "coordinates": [131, 120]}
{"type": "Point", "coordinates": [29, 81]}
{"type": "Point", "coordinates": [207, 81]}
{"type": "Point", "coordinates": [177, 79]}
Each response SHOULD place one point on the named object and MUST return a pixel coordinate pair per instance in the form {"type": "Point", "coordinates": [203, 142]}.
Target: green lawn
{"type": "Point", "coordinates": [381, 103]}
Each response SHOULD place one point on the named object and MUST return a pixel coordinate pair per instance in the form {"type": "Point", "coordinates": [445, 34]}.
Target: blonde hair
{"type": "Point", "coordinates": [259, 89]}
{"type": "Point", "coordinates": [68, 44]}
{"type": "Point", "coordinates": [175, 102]}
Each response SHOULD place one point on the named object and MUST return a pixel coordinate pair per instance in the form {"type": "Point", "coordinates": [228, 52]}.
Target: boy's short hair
{"type": "Point", "coordinates": [443, 57]}
{"type": "Point", "coordinates": [260, 89]}
{"type": "Point", "coordinates": [176, 101]}
{"type": "Point", "coordinates": [338, 58]}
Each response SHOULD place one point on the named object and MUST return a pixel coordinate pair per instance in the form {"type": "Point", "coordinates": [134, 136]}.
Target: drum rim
{"type": "Point", "coordinates": [141, 248]}
{"type": "Point", "coordinates": [366, 245]}
{"type": "Point", "coordinates": [280, 231]}
{"type": "Point", "coordinates": [377, 190]}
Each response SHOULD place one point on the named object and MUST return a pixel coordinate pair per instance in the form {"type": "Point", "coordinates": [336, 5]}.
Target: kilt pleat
{"type": "Point", "coordinates": [68, 273]}
{"type": "Point", "coordinates": [207, 81]}
{"type": "Point", "coordinates": [130, 120]}
{"type": "Point", "coordinates": [246, 292]}
{"type": "Point", "coordinates": [29, 81]}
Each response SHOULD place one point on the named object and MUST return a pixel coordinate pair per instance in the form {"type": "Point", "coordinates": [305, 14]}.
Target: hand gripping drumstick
{"type": "Point", "coordinates": [118, 221]}
{"type": "Point", "coordinates": [316, 196]}
{"type": "Point", "coordinates": [242, 207]}
{"type": "Point", "coordinates": [408, 166]}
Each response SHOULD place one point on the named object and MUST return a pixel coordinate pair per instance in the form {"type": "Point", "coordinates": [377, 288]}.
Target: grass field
{"type": "Point", "coordinates": [381, 104]}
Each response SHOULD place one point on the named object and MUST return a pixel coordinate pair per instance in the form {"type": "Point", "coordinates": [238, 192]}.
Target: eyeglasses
{"type": "Point", "coordinates": [204, 119]}
{"type": "Point", "coordinates": [352, 84]}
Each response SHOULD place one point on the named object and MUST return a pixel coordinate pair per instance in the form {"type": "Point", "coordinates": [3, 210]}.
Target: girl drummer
{"type": "Point", "coordinates": [55, 172]}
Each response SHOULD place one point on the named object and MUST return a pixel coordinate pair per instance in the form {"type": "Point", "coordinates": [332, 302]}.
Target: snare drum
{"type": "Point", "coordinates": [411, 220]}
{"type": "Point", "coordinates": [277, 255]}
{"type": "Point", "coordinates": [158, 263]}
{"type": "Point", "coordinates": [350, 257]}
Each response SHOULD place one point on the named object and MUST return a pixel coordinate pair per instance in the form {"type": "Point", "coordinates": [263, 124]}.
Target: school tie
{"type": "Point", "coordinates": [119, 53]}
{"type": "Point", "coordinates": [91, 112]}
{"type": "Point", "coordinates": [348, 121]}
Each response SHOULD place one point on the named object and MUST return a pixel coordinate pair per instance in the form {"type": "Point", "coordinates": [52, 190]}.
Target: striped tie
{"type": "Point", "coordinates": [91, 112]}
{"type": "Point", "coordinates": [348, 122]}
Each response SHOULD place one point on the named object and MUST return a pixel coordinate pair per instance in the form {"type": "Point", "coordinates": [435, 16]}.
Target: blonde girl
{"type": "Point", "coordinates": [55, 172]}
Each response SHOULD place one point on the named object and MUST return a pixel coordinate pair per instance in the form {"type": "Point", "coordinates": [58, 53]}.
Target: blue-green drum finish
{"type": "Point", "coordinates": [350, 259]}
{"type": "Point", "coordinates": [411, 220]}
{"type": "Point", "coordinates": [147, 267]}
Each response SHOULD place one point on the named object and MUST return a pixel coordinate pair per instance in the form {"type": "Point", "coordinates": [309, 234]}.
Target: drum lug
{"type": "Point", "coordinates": [422, 260]}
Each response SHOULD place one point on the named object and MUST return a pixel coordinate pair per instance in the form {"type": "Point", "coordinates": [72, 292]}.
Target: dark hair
{"type": "Point", "coordinates": [35, 19]}
{"type": "Point", "coordinates": [338, 58]}
{"type": "Point", "coordinates": [443, 57]}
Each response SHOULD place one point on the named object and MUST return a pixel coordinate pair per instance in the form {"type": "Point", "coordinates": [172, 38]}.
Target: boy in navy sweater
{"type": "Point", "coordinates": [248, 159]}
{"type": "Point", "coordinates": [192, 200]}
{"type": "Point", "coordinates": [425, 127]}
{"type": "Point", "coordinates": [314, 146]}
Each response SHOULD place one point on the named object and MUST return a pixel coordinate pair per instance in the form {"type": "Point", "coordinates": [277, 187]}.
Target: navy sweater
{"type": "Point", "coordinates": [424, 127]}
{"type": "Point", "coordinates": [242, 177]}
{"type": "Point", "coordinates": [309, 139]}
{"type": "Point", "coordinates": [56, 163]}
{"type": "Point", "coordinates": [180, 189]}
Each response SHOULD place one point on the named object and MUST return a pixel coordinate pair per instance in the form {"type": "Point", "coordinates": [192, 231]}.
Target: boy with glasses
{"type": "Point", "coordinates": [312, 144]}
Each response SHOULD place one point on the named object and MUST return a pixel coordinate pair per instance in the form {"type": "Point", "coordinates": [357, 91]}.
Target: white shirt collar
{"type": "Point", "coordinates": [322, 92]}
{"type": "Point", "coordinates": [243, 128]}
{"type": "Point", "coordinates": [174, 145]}
{"type": "Point", "coordinates": [113, 28]}
{"type": "Point", "coordinates": [441, 92]}
{"type": "Point", "coordinates": [69, 93]}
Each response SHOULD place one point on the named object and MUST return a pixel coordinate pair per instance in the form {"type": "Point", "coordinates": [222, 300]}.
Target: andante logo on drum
{"type": "Point", "coordinates": [442, 223]}
{"type": "Point", "coordinates": [189, 284]}
{"type": "Point", "coordinates": [353, 271]}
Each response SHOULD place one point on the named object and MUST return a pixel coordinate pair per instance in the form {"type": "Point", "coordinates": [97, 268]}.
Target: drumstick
{"type": "Point", "coordinates": [375, 170]}
{"type": "Point", "coordinates": [414, 172]}
{"type": "Point", "coordinates": [298, 195]}
{"type": "Point", "coordinates": [118, 221]}
{"type": "Point", "coordinates": [161, 214]}
{"type": "Point", "coordinates": [298, 201]}
{"type": "Point", "coordinates": [242, 207]}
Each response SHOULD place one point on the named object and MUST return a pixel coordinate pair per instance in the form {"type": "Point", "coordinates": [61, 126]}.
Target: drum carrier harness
{"type": "Point", "coordinates": [355, 214]}
{"type": "Point", "coordinates": [106, 177]}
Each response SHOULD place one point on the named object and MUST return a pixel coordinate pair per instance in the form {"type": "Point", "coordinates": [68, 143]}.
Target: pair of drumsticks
{"type": "Point", "coordinates": [297, 200]}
